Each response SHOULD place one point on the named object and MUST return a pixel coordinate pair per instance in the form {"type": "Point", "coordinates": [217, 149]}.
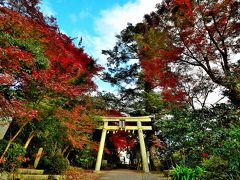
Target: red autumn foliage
{"type": "Point", "coordinates": [32, 50]}
{"type": "Point", "coordinates": [79, 124]}
{"type": "Point", "coordinates": [121, 140]}
{"type": "Point", "coordinates": [113, 113]}
{"type": "Point", "coordinates": [208, 33]}
{"type": "Point", "coordinates": [28, 8]}
{"type": "Point", "coordinates": [69, 70]}
{"type": "Point", "coordinates": [17, 109]}
{"type": "Point", "coordinates": [185, 33]}
{"type": "Point", "coordinates": [155, 60]}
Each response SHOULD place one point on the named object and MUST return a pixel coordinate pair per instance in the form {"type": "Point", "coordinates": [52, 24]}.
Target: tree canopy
{"type": "Point", "coordinates": [171, 61]}
{"type": "Point", "coordinates": [44, 77]}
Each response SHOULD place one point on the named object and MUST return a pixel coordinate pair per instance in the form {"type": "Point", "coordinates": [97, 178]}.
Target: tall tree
{"type": "Point", "coordinates": [125, 73]}
{"type": "Point", "coordinates": [38, 66]}
{"type": "Point", "coordinates": [207, 36]}
{"type": "Point", "coordinates": [173, 43]}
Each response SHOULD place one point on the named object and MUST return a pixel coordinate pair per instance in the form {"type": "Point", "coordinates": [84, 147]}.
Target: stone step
{"type": "Point", "coordinates": [30, 177]}
{"type": "Point", "coordinates": [29, 171]}
{"type": "Point", "coordinates": [58, 177]}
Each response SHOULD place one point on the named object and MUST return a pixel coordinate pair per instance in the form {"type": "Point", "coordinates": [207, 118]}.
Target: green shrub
{"type": "Point", "coordinates": [225, 160]}
{"type": "Point", "coordinates": [44, 163]}
{"type": "Point", "coordinates": [84, 158]}
{"type": "Point", "coordinates": [14, 156]}
{"type": "Point", "coordinates": [187, 173]}
{"type": "Point", "coordinates": [215, 168]}
{"type": "Point", "coordinates": [54, 165]}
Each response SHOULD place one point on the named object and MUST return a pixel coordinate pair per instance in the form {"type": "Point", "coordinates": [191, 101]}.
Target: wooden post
{"type": "Point", "coordinates": [101, 147]}
{"type": "Point", "coordinates": [142, 148]}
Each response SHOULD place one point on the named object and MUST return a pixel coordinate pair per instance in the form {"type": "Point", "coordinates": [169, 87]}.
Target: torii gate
{"type": "Point", "coordinates": [121, 126]}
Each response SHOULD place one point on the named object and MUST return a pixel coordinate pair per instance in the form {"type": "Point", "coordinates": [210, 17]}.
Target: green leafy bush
{"type": "Point", "coordinates": [14, 157]}
{"type": "Point", "coordinates": [224, 163]}
{"type": "Point", "coordinates": [209, 137]}
{"type": "Point", "coordinates": [187, 173]}
{"type": "Point", "coordinates": [44, 163]}
{"type": "Point", "coordinates": [215, 168]}
{"type": "Point", "coordinates": [54, 165]}
{"type": "Point", "coordinates": [84, 158]}
{"type": "Point", "coordinates": [59, 164]}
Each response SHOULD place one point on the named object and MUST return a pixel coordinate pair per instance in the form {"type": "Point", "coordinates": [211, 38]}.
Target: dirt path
{"type": "Point", "coordinates": [130, 175]}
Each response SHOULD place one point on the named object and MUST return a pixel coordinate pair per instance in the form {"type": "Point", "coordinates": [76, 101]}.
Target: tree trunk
{"type": "Point", "coordinates": [234, 96]}
{"type": "Point", "coordinates": [68, 154]}
{"type": "Point", "coordinates": [10, 141]}
{"type": "Point", "coordinates": [65, 150]}
{"type": "Point", "coordinates": [31, 135]}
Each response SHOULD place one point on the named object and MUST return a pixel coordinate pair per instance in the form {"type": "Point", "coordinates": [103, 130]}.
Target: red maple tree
{"type": "Point", "coordinates": [38, 62]}
{"type": "Point", "coordinates": [122, 141]}
{"type": "Point", "coordinates": [185, 34]}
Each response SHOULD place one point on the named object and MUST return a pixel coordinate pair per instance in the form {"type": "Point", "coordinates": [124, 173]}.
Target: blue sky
{"type": "Point", "coordinates": [97, 21]}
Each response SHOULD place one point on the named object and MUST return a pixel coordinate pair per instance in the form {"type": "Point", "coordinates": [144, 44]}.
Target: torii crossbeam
{"type": "Point", "coordinates": [120, 121]}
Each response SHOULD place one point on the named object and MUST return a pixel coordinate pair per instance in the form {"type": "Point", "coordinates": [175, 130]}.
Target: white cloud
{"type": "Point", "coordinates": [108, 25]}
{"type": "Point", "coordinates": [112, 21]}
{"type": "Point", "coordinates": [115, 19]}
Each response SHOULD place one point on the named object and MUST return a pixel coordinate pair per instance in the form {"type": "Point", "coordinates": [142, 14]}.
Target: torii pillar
{"type": "Point", "coordinates": [121, 126]}
{"type": "Point", "coordinates": [101, 147]}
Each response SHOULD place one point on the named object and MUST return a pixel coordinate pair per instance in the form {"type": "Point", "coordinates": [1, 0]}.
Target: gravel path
{"type": "Point", "coordinates": [130, 175]}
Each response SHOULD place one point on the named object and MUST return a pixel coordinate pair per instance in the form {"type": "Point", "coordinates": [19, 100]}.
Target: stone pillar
{"type": "Point", "coordinates": [142, 148]}
{"type": "Point", "coordinates": [101, 147]}
{"type": "Point", "coordinates": [4, 125]}
{"type": "Point", "coordinates": [37, 159]}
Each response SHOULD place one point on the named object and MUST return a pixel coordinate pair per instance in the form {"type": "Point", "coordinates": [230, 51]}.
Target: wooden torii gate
{"type": "Point", "coordinates": [120, 125]}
